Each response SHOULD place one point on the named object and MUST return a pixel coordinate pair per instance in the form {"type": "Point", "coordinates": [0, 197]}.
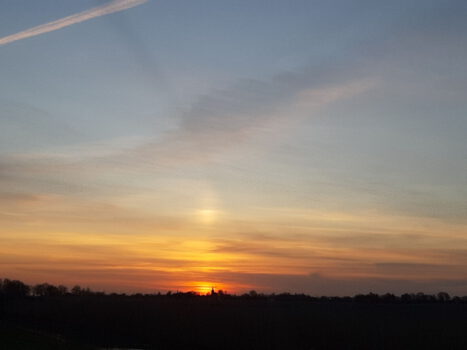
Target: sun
{"type": "Point", "coordinates": [205, 288]}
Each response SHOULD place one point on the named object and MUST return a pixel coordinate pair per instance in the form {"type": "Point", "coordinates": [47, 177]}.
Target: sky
{"type": "Point", "coordinates": [307, 146]}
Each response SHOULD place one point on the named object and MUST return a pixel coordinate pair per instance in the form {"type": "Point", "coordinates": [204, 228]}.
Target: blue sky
{"type": "Point", "coordinates": [297, 124]}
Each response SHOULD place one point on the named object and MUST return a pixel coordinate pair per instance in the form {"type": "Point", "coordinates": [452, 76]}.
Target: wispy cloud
{"type": "Point", "coordinates": [111, 7]}
{"type": "Point", "coordinates": [227, 118]}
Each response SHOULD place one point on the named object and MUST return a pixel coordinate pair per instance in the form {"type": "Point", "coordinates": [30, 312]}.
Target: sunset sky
{"type": "Point", "coordinates": [315, 146]}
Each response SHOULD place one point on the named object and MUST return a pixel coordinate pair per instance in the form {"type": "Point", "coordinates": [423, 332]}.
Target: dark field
{"type": "Point", "coordinates": [226, 322]}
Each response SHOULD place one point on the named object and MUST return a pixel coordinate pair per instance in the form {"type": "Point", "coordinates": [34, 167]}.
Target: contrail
{"type": "Point", "coordinates": [113, 6]}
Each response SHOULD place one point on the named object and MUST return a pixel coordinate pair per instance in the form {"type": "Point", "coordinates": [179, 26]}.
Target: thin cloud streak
{"type": "Point", "coordinates": [114, 6]}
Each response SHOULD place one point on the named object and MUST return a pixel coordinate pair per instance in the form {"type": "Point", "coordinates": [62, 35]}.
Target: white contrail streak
{"type": "Point", "coordinates": [113, 6]}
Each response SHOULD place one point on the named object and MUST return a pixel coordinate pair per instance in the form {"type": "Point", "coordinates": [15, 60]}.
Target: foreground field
{"type": "Point", "coordinates": [197, 322]}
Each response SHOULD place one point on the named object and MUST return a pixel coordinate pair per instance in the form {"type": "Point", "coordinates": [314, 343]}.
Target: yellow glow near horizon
{"type": "Point", "coordinates": [205, 288]}
{"type": "Point", "coordinates": [132, 251]}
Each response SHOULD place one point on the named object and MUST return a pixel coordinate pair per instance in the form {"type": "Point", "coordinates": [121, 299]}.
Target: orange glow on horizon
{"type": "Point", "coordinates": [205, 288]}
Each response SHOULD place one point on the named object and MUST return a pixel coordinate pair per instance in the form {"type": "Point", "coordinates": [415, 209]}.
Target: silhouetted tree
{"type": "Point", "coordinates": [62, 290]}
{"type": "Point", "coordinates": [76, 290]}
{"type": "Point", "coordinates": [40, 290]}
{"type": "Point", "coordinates": [253, 293]}
{"type": "Point", "coordinates": [14, 288]}
{"type": "Point", "coordinates": [443, 296]}
{"type": "Point", "coordinates": [48, 290]}
{"type": "Point", "coordinates": [407, 298]}
{"type": "Point", "coordinates": [388, 298]}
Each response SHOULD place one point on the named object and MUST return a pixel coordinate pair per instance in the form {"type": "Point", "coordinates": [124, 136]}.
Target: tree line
{"type": "Point", "coordinates": [18, 289]}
